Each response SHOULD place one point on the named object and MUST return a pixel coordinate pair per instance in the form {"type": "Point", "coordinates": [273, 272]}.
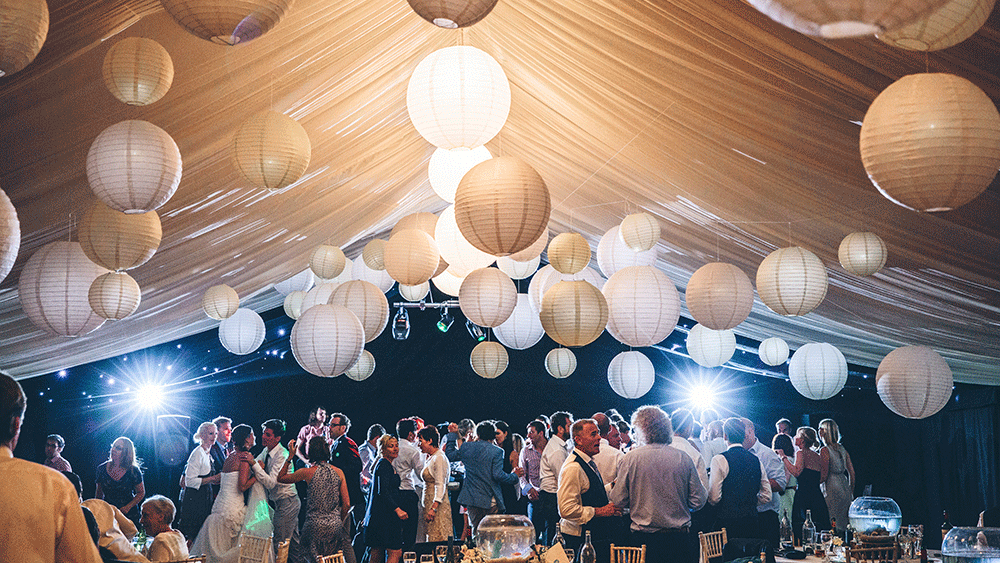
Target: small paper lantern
{"type": "Point", "coordinates": [138, 71]}
{"type": "Point", "coordinates": [54, 289]}
{"type": "Point", "coordinates": [10, 235]}
{"type": "Point", "coordinates": [134, 166]}
{"type": "Point", "coordinates": [114, 296]}
{"type": "Point", "coordinates": [367, 302]}
{"type": "Point", "coordinates": [569, 253]}
{"type": "Point", "coordinates": [461, 256]}
{"type": "Point", "coordinates": [792, 281]}
{"type": "Point", "coordinates": [320, 294]}
{"type": "Point", "coordinates": [347, 274]}
{"type": "Point", "coordinates": [502, 206]}
{"type": "Point", "coordinates": [488, 359]}
{"type": "Point", "coordinates": [227, 22]}
{"type": "Point", "coordinates": [862, 253]}
{"type": "Point", "coordinates": [380, 278]}
{"type": "Point", "coordinates": [293, 304]}
{"type": "Point", "coordinates": [327, 340]}
{"type": "Point", "coordinates": [448, 283]}
{"type": "Point", "coordinates": [242, 333]}
{"type": "Point", "coordinates": [613, 254]}
{"type": "Point", "coordinates": [452, 14]}
{"type": "Point", "coordinates": [631, 374]}
{"type": "Point", "coordinates": [773, 351]}
{"type": "Point", "coordinates": [23, 27]}
{"type": "Point", "coordinates": [533, 251]}
{"type": "Point", "coordinates": [363, 368]}
{"type": "Point", "coordinates": [710, 348]}
{"type": "Point", "coordinates": [640, 231]}
{"type": "Point", "coordinates": [834, 19]}
{"type": "Point", "coordinates": [914, 381]}
{"type": "Point", "coordinates": [522, 329]}
{"type": "Point", "coordinates": [560, 363]}
{"type": "Point", "coordinates": [414, 292]}
{"type": "Point", "coordinates": [327, 261]}
{"type": "Point", "coordinates": [446, 168]}
{"type": "Point", "coordinates": [458, 97]}
{"type": "Point", "coordinates": [931, 142]}
{"type": "Point", "coordinates": [948, 25]}
{"type": "Point", "coordinates": [643, 306]}
{"type": "Point", "coordinates": [411, 256]}
{"type": "Point", "coordinates": [301, 281]}
{"type": "Point", "coordinates": [818, 371]}
{"type": "Point", "coordinates": [518, 270]}
{"type": "Point", "coordinates": [719, 296]}
{"type": "Point", "coordinates": [119, 241]}
{"type": "Point", "coordinates": [271, 150]}
{"type": "Point", "coordinates": [374, 254]}
{"type": "Point", "coordinates": [220, 302]}
{"type": "Point", "coordinates": [423, 221]}
{"type": "Point", "coordinates": [574, 313]}
{"type": "Point", "coordinates": [487, 297]}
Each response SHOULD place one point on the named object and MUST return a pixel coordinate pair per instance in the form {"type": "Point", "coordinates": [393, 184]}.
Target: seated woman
{"type": "Point", "coordinates": [168, 544]}
{"type": "Point", "coordinates": [116, 530]}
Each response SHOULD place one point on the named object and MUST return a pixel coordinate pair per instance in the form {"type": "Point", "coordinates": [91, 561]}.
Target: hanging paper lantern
{"type": "Point", "coordinates": [227, 22]}
{"type": "Point", "coordinates": [773, 351]}
{"type": "Point", "coordinates": [301, 281]}
{"type": "Point", "coordinates": [640, 231]}
{"type": "Point", "coordinates": [560, 363]}
{"type": "Point", "coordinates": [293, 304]}
{"type": "Point", "coordinates": [792, 281]}
{"type": "Point", "coordinates": [613, 254]}
{"type": "Point", "coordinates": [327, 261]}
{"type": "Point", "coordinates": [862, 253]}
{"type": "Point", "coordinates": [446, 168]}
{"type": "Point", "coordinates": [367, 302]}
{"type": "Point", "coordinates": [271, 150]}
{"type": "Point", "coordinates": [452, 14]}
{"type": "Point", "coordinates": [631, 374]}
{"type": "Point", "coordinates": [134, 166]}
{"type": "Point", "coordinates": [574, 313]}
{"type": "Point", "coordinates": [119, 241]}
{"type": "Point", "coordinates": [320, 294]}
{"type": "Point", "coordinates": [710, 348]}
{"type": "Point", "coordinates": [423, 221]}
{"type": "Point", "coordinates": [914, 381]}
{"type": "Point", "coordinates": [458, 97]}
{"type": "Point", "coordinates": [374, 254]}
{"type": "Point", "coordinates": [719, 296]}
{"type": "Point", "coordinates": [931, 142]}
{"type": "Point", "coordinates": [347, 274]}
{"type": "Point", "coordinates": [818, 371]}
{"type": "Point", "coordinates": [411, 256]}
{"type": "Point", "coordinates": [518, 270]}
{"type": "Point", "coordinates": [948, 25]}
{"type": "Point", "coordinates": [488, 359]}
{"type": "Point", "coordinates": [23, 27]}
{"type": "Point", "coordinates": [363, 368]}
{"type": "Point", "coordinates": [138, 71]}
{"type": "Point", "coordinates": [380, 278]}
{"type": "Point", "coordinates": [522, 329]}
{"type": "Point", "coordinates": [569, 253]}
{"type": "Point", "coordinates": [10, 235]}
{"type": "Point", "coordinates": [414, 292]}
{"type": "Point", "coordinates": [442, 266]}
{"type": "Point", "coordinates": [327, 340]}
{"type": "Point", "coordinates": [533, 251]}
{"type": "Point", "coordinates": [461, 256]}
{"type": "Point", "coordinates": [114, 296]}
{"type": "Point", "coordinates": [546, 277]}
{"type": "Point", "coordinates": [54, 289]}
{"type": "Point", "coordinates": [643, 306]}
{"type": "Point", "coordinates": [243, 332]}
{"type": "Point", "coordinates": [834, 19]}
{"type": "Point", "coordinates": [220, 302]}
{"type": "Point", "coordinates": [502, 206]}
{"type": "Point", "coordinates": [448, 283]}
{"type": "Point", "coordinates": [487, 297]}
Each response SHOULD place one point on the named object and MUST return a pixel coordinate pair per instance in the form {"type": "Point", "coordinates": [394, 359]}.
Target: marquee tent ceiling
{"type": "Point", "coordinates": [739, 134]}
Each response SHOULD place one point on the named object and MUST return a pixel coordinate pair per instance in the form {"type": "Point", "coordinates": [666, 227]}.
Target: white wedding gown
{"type": "Point", "coordinates": [230, 517]}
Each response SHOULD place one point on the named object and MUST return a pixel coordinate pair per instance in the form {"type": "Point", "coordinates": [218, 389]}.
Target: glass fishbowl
{"type": "Point", "coordinates": [971, 545]}
{"type": "Point", "coordinates": [875, 516]}
{"type": "Point", "coordinates": [505, 538]}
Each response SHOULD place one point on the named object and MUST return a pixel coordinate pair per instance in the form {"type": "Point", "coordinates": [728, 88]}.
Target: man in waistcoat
{"type": "Point", "coordinates": [737, 484]}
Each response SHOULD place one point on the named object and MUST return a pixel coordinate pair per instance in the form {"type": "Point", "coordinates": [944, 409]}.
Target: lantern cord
{"type": "Point", "coordinates": [789, 233]}
{"type": "Point", "coordinates": [72, 225]}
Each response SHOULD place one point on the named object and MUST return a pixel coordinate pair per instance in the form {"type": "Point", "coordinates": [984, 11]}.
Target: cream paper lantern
{"type": "Point", "coordinates": [271, 150]}
{"type": "Point", "coordinates": [327, 261]}
{"type": "Point", "coordinates": [411, 256]}
{"type": "Point", "coordinates": [773, 351]}
{"type": "Point", "coordinates": [710, 348]}
{"type": "Point", "coordinates": [452, 14]}
{"type": "Point", "coordinates": [423, 221]}
{"type": "Point", "coordinates": [818, 371]}
{"type": "Point", "coordinates": [518, 270]}
{"type": "Point", "coordinates": [374, 254]}
{"type": "Point", "coordinates": [862, 253]}
{"type": "Point", "coordinates": [138, 71]}
{"type": "Point", "coordinates": [458, 97]}
{"type": "Point", "coordinates": [574, 313]}
{"type": "Point", "coordinates": [327, 340]}
{"type": "Point", "coordinates": [569, 253]}
{"type": "Point", "coordinates": [220, 302]}
{"type": "Point", "coordinates": [643, 306]}
{"type": "Point", "coordinates": [10, 235]}
{"type": "Point", "coordinates": [631, 374]}
{"type": "Point", "coordinates": [134, 166]}
{"type": "Point", "coordinates": [320, 294]}
{"type": "Point", "coordinates": [227, 22]}
{"type": "Point", "coordinates": [834, 19]}
{"type": "Point", "coordinates": [502, 206]}
{"type": "Point", "coordinates": [719, 296]}
{"type": "Point", "coordinates": [54, 289]}
{"type": "Point", "coordinates": [293, 304]}
{"type": "Point", "coordinates": [461, 256]}
{"type": "Point", "coordinates": [23, 27]}
{"type": "Point", "coordinates": [914, 381]}
{"type": "Point", "coordinates": [487, 297]}
{"type": "Point", "coordinates": [442, 266]}
{"type": "Point", "coordinates": [640, 231]}
{"type": "Point", "coordinates": [243, 332]}
{"type": "Point", "coordinates": [367, 302]}
{"type": "Point", "coordinates": [449, 283]}
{"type": "Point", "coordinates": [533, 251]}
{"type": "Point", "coordinates": [931, 142]}
{"type": "Point", "coordinates": [363, 368]}
{"type": "Point", "coordinates": [792, 281]}
{"type": "Point", "coordinates": [613, 254]}
{"type": "Point", "coordinates": [114, 296]}
{"type": "Point", "coordinates": [546, 277]}
{"type": "Point", "coordinates": [488, 359]}
{"type": "Point", "coordinates": [301, 281]}
{"type": "Point", "coordinates": [522, 329]}
{"type": "Point", "coordinates": [560, 363]}
{"type": "Point", "coordinates": [948, 25]}
{"type": "Point", "coordinates": [119, 241]}
{"type": "Point", "coordinates": [414, 292]}
{"type": "Point", "coordinates": [347, 274]}
{"type": "Point", "coordinates": [380, 278]}
{"type": "Point", "coordinates": [446, 168]}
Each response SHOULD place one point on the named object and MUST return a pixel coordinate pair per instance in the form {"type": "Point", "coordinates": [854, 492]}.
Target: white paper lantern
{"type": "Point", "coordinates": [320, 294]}
{"type": "Point", "coordinates": [719, 296]}
{"type": "Point", "coordinates": [302, 281]}
{"type": "Point", "coordinates": [631, 374]}
{"type": "Point", "coordinates": [574, 313]}
{"type": "Point", "coordinates": [448, 283]}
{"type": "Point", "coordinates": [24, 25]}
{"type": "Point", "coordinates": [458, 97]}
{"type": "Point", "coordinates": [243, 332]}
{"type": "Point", "coordinates": [10, 235]}
{"type": "Point", "coordinates": [116, 240]}
{"type": "Point", "coordinates": [293, 304]}
{"type": "Point", "coordinates": [380, 278]}
{"type": "Point", "coordinates": [459, 253]}
{"type": "Point", "coordinates": [792, 281]}
{"type": "Point", "coordinates": [560, 363]}
{"type": "Point", "coordinates": [488, 359]}
{"type": "Point", "coordinates": [862, 253]}
{"type": "Point", "coordinates": [347, 274]}
{"type": "Point", "coordinates": [569, 253]}
{"type": "Point", "coordinates": [834, 19]}
{"type": "Point", "coordinates": [374, 254]}
{"type": "Point", "coordinates": [114, 296]}
{"type": "Point", "coordinates": [518, 270]}
{"type": "Point", "coordinates": [423, 221]}
{"type": "Point", "coordinates": [487, 297]}
{"type": "Point", "coordinates": [138, 71]}
{"type": "Point", "coordinates": [914, 381]}
{"type": "Point", "coordinates": [227, 22]}
{"type": "Point", "coordinates": [818, 371]}
{"type": "Point", "coordinates": [54, 289]}
{"type": "Point", "coordinates": [446, 168]}
{"type": "Point", "coordinates": [948, 25]}
{"type": "Point", "coordinates": [134, 166]}
{"type": "Point", "coordinates": [271, 150]}
{"type": "Point", "coordinates": [327, 261]}
{"type": "Point", "coordinates": [710, 348]}
{"type": "Point", "coordinates": [533, 251]}
{"type": "Point", "coordinates": [773, 351]}
{"type": "Point", "coordinates": [522, 329]}
{"type": "Point", "coordinates": [363, 368]}
{"type": "Point", "coordinates": [411, 256]}
{"type": "Point", "coordinates": [640, 231]}
{"type": "Point", "coordinates": [613, 254]}
{"type": "Point", "coordinates": [643, 306]}
{"type": "Point", "coordinates": [327, 340]}
{"type": "Point", "coordinates": [367, 302]}
{"type": "Point", "coordinates": [220, 302]}
{"type": "Point", "coordinates": [452, 14]}
{"type": "Point", "coordinates": [414, 292]}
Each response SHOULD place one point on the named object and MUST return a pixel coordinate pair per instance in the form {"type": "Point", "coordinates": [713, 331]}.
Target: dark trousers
{"type": "Point", "coordinates": [668, 546]}
{"type": "Point", "coordinates": [768, 528]}
{"type": "Point", "coordinates": [548, 507]}
{"type": "Point", "coordinates": [409, 502]}
{"type": "Point", "coordinates": [535, 515]}
{"type": "Point", "coordinates": [745, 527]}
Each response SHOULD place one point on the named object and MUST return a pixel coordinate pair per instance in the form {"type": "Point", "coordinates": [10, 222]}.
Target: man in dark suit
{"type": "Point", "coordinates": [483, 474]}
{"type": "Point", "coordinates": [220, 449]}
{"type": "Point", "coordinates": [344, 454]}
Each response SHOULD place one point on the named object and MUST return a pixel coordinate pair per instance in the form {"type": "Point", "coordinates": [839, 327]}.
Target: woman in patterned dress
{"type": "Point", "coordinates": [437, 470]}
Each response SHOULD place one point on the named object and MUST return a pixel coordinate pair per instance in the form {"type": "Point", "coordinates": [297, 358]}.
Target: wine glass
{"type": "Point", "coordinates": [426, 558]}
{"type": "Point", "coordinates": [823, 547]}
{"type": "Point", "coordinates": [410, 557]}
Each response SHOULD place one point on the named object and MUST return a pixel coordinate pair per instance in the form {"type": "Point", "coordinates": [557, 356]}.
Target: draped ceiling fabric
{"type": "Point", "coordinates": [741, 136]}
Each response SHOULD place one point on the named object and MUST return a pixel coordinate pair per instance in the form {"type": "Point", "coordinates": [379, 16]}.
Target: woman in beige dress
{"type": "Point", "coordinates": [437, 509]}
{"type": "Point", "coordinates": [838, 487]}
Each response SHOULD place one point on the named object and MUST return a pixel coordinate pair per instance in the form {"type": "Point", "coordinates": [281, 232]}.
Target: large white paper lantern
{"type": "Point", "coordinates": [458, 252]}
{"type": "Point", "coordinates": [533, 251]}
{"type": "Point", "coordinates": [574, 313]}
{"type": "Point", "coordinates": [414, 292]}
{"type": "Point", "coordinates": [931, 141]}
{"type": "Point", "coordinates": [792, 281]}
{"type": "Point", "coordinates": [522, 329]}
{"type": "Point", "coordinates": [569, 253]}
{"type": "Point", "coordinates": [710, 348]}
{"type": "Point", "coordinates": [134, 166]}
{"type": "Point", "coordinates": [446, 168]}
{"type": "Point", "coordinates": [943, 27]}
{"type": "Point", "coordinates": [220, 302]}
{"type": "Point", "coordinates": [613, 254]}
{"type": "Point", "coordinates": [116, 240]}
{"type": "Point", "coordinates": [862, 253]}
{"type": "Point", "coordinates": [560, 363]}
{"type": "Point", "coordinates": [327, 340]}
{"type": "Point", "coordinates": [631, 374]}
{"type": "Point", "coordinates": [380, 278]}
{"type": "Point", "coordinates": [518, 270]}
{"type": "Point", "coordinates": [23, 27]}
{"type": "Point", "coordinates": [367, 302]}
{"type": "Point", "coordinates": [271, 150]}
{"type": "Point", "coordinates": [422, 220]}
{"type": "Point", "coordinates": [452, 14]}
{"type": "Point", "coordinates": [487, 297]}
{"type": "Point", "coordinates": [363, 368]}
{"type": "Point", "coordinates": [243, 332]}
{"type": "Point", "coordinates": [302, 281]}
{"type": "Point", "coordinates": [327, 261]}
{"type": "Point", "coordinates": [411, 256]}
{"type": "Point", "coordinates": [320, 294]}
{"type": "Point", "coordinates": [835, 18]}
{"type": "Point", "coordinates": [488, 359]}
{"type": "Point", "coordinates": [54, 289]}
{"type": "Point", "coordinates": [719, 296]}
{"type": "Point", "coordinates": [293, 304]}
{"type": "Point", "coordinates": [448, 283]}
{"type": "Point", "coordinates": [138, 71]}
{"type": "Point", "coordinates": [643, 306]}
{"type": "Point", "coordinates": [458, 97]}
{"type": "Point", "coordinates": [10, 235]}
{"type": "Point", "coordinates": [114, 296]}
{"type": "Point", "coordinates": [818, 371]}
{"type": "Point", "coordinates": [227, 22]}
{"type": "Point", "coordinates": [640, 231]}
{"type": "Point", "coordinates": [914, 381]}
{"type": "Point", "coordinates": [773, 351]}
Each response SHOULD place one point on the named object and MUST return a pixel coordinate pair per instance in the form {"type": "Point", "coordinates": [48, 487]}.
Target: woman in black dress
{"type": "Point", "coordinates": [119, 479]}
{"type": "Point", "coordinates": [808, 469]}
{"type": "Point", "coordinates": [384, 518]}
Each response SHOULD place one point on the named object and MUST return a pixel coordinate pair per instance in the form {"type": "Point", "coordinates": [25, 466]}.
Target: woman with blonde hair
{"type": "Point", "coordinates": [168, 544]}
{"type": "Point", "coordinates": [810, 471]}
{"type": "Point", "coordinates": [838, 486]}
{"type": "Point", "coordinates": [198, 480]}
{"type": "Point", "coordinates": [384, 518]}
{"type": "Point", "coordinates": [119, 479]}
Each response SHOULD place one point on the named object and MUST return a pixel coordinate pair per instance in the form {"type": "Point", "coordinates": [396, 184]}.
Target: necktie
{"type": "Point", "coordinates": [594, 467]}
{"type": "Point", "coordinates": [267, 459]}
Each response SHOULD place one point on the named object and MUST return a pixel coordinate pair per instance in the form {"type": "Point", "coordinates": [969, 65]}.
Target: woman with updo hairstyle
{"type": "Point", "coordinates": [809, 470]}
{"type": "Point", "coordinates": [838, 483]}
{"type": "Point", "coordinates": [168, 543]}
{"type": "Point", "coordinates": [437, 525]}
{"type": "Point", "coordinates": [782, 445]}
{"type": "Point", "coordinates": [384, 518]}
{"type": "Point", "coordinates": [199, 476]}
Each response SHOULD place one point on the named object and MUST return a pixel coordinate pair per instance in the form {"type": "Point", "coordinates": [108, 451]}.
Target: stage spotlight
{"type": "Point", "coordinates": [149, 396]}
{"type": "Point", "coordinates": [475, 331]}
{"type": "Point", "coordinates": [401, 324]}
{"type": "Point", "coordinates": [446, 320]}
{"type": "Point", "coordinates": [701, 397]}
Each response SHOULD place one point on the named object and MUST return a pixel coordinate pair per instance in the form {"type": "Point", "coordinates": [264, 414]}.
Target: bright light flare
{"type": "Point", "coordinates": [149, 396]}
{"type": "Point", "coordinates": [701, 397]}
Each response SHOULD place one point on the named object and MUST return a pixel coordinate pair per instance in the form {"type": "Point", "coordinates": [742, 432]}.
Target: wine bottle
{"type": "Point", "coordinates": [588, 554]}
{"type": "Point", "coordinates": [558, 538]}
{"type": "Point", "coordinates": [787, 542]}
{"type": "Point", "coordinates": [808, 531]}
{"type": "Point", "coordinates": [945, 526]}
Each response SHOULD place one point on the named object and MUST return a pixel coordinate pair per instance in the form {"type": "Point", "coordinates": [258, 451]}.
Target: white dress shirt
{"type": "Point", "coordinates": [607, 460]}
{"type": "Point", "coordinates": [720, 468]}
{"type": "Point", "coordinates": [369, 455]}
{"type": "Point", "coordinates": [439, 467]}
{"type": "Point", "coordinates": [268, 476]}
{"type": "Point", "coordinates": [408, 466]}
{"type": "Point", "coordinates": [774, 468]}
{"type": "Point", "coordinates": [199, 464]}
{"type": "Point", "coordinates": [573, 482]}
{"type": "Point", "coordinates": [699, 462]}
{"type": "Point", "coordinates": [553, 457]}
{"type": "Point", "coordinates": [712, 448]}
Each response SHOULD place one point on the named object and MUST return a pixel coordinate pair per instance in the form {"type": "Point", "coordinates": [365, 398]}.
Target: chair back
{"type": "Point", "coordinates": [712, 544]}
{"type": "Point", "coordinates": [335, 558]}
{"type": "Point", "coordinates": [254, 549]}
{"type": "Point", "coordinates": [628, 554]}
{"type": "Point", "coordinates": [880, 554]}
{"type": "Point", "coordinates": [194, 559]}
{"type": "Point", "coordinates": [282, 554]}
